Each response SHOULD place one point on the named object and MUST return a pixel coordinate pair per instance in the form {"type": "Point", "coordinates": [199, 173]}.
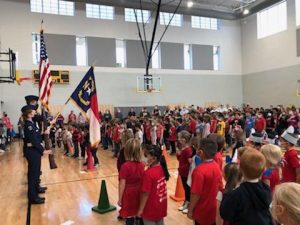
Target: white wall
{"type": "Point", "coordinates": [272, 52]}
{"type": "Point", "coordinates": [270, 65]}
{"type": "Point", "coordinates": [117, 86]}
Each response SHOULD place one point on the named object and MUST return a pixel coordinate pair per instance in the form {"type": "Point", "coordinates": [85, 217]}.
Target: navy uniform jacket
{"type": "Point", "coordinates": [33, 138]}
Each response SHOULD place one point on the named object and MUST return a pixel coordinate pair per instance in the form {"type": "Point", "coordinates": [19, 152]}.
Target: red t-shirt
{"type": "Point", "coordinates": [132, 173]}
{"type": "Point", "coordinates": [173, 134]}
{"type": "Point", "coordinates": [219, 160]}
{"type": "Point", "coordinates": [213, 126]}
{"type": "Point", "coordinates": [290, 164]}
{"type": "Point", "coordinates": [148, 132]}
{"type": "Point", "coordinates": [116, 134]}
{"type": "Point", "coordinates": [154, 183]}
{"type": "Point", "coordinates": [72, 118]}
{"type": "Point", "coordinates": [205, 183]}
{"type": "Point", "coordinates": [159, 131]}
{"type": "Point", "coordinates": [260, 124]}
{"type": "Point", "coordinates": [271, 174]}
{"type": "Point", "coordinates": [193, 125]}
{"type": "Point", "coordinates": [184, 164]}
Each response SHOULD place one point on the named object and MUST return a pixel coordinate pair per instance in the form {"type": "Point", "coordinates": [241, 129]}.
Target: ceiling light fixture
{"type": "Point", "coordinates": [190, 4]}
{"type": "Point", "coordinates": [246, 11]}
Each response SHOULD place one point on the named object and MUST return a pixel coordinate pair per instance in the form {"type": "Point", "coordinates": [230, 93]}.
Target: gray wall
{"type": "Point", "coordinates": [61, 49]}
{"type": "Point", "coordinates": [272, 87]}
{"type": "Point", "coordinates": [101, 51]}
{"type": "Point", "coordinates": [134, 54]}
{"type": "Point", "coordinates": [171, 56]}
{"type": "Point", "coordinates": [203, 58]}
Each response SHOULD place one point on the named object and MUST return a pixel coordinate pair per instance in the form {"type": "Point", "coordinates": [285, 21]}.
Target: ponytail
{"type": "Point", "coordinates": [164, 166]}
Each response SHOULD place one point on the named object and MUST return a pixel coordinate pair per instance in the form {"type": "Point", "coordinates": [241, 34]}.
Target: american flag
{"type": "Point", "coordinates": [45, 83]}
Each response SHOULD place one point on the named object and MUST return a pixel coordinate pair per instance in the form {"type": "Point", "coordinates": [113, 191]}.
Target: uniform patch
{"type": "Point", "coordinates": [30, 128]}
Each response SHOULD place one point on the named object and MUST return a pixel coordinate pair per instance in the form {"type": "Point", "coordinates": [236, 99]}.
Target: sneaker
{"type": "Point", "coordinates": [184, 206]}
{"type": "Point", "coordinates": [96, 164]}
{"type": "Point", "coordinates": [185, 211]}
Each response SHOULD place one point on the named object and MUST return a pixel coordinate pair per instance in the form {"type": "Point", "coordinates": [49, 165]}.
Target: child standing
{"type": "Point", "coordinates": [220, 143]}
{"type": "Point", "coordinates": [291, 165]}
{"type": "Point", "coordinates": [116, 138]}
{"type": "Point", "coordinates": [153, 204]}
{"type": "Point", "coordinates": [183, 156]}
{"type": "Point", "coordinates": [249, 204]}
{"type": "Point", "coordinates": [205, 185]}
{"type": "Point", "coordinates": [233, 178]}
{"type": "Point", "coordinates": [286, 204]}
{"type": "Point", "coordinates": [221, 126]}
{"type": "Point", "coordinates": [130, 179]}
{"type": "Point", "coordinates": [173, 137]}
{"type": "Point", "coordinates": [272, 154]}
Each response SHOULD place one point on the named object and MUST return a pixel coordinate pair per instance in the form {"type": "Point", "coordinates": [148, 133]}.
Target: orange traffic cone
{"type": "Point", "coordinates": [165, 154]}
{"type": "Point", "coordinates": [90, 161]}
{"type": "Point", "coordinates": [179, 192]}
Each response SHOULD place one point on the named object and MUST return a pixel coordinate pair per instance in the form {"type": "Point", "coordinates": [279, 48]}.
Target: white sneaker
{"type": "Point", "coordinates": [185, 211]}
{"type": "Point", "coordinates": [184, 206]}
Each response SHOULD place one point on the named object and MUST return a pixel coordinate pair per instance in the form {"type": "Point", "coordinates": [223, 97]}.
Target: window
{"type": "Point", "coordinates": [156, 57]}
{"type": "Point", "coordinates": [142, 15]}
{"type": "Point", "coordinates": [66, 8]}
{"type": "Point", "coordinates": [92, 11]}
{"type": "Point", "coordinates": [106, 12]}
{"type": "Point", "coordinates": [50, 6]}
{"type": "Point", "coordinates": [272, 20]}
{"type": "Point", "coordinates": [60, 7]}
{"type": "Point", "coordinates": [165, 19]}
{"type": "Point", "coordinates": [36, 6]}
{"type": "Point", "coordinates": [216, 55]}
{"type": "Point", "coordinates": [81, 51]}
{"type": "Point", "coordinates": [297, 12]}
{"type": "Point", "coordinates": [35, 48]}
{"type": "Point", "coordinates": [187, 57]}
{"type": "Point", "coordinates": [205, 23]}
{"type": "Point", "coordinates": [100, 11]}
{"type": "Point", "coordinates": [120, 53]}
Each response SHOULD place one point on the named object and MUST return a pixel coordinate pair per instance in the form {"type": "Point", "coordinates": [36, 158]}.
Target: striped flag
{"type": "Point", "coordinates": [45, 83]}
{"type": "Point", "coordinates": [85, 97]}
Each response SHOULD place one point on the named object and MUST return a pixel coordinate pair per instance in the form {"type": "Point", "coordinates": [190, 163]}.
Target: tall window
{"type": "Point", "coordinates": [81, 51]}
{"type": "Point", "coordinates": [187, 56]}
{"type": "Point", "coordinates": [272, 20]}
{"type": "Point", "coordinates": [156, 57]}
{"type": "Point", "coordinates": [100, 11]}
{"type": "Point", "coordinates": [141, 15]}
{"type": "Point", "coordinates": [205, 23]}
{"type": "Point", "coordinates": [35, 48]}
{"type": "Point", "coordinates": [166, 17]}
{"type": "Point", "coordinates": [297, 12]}
{"type": "Point", "coordinates": [60, 7]}
{"type": "Point", "coordinates": [216, 55]}
{"type": "Point", "coordinates": [120, 53]}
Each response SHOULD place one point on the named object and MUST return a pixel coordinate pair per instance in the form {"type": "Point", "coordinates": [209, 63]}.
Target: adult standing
{"type": "Point", "coordinates": [131, 113]}
{"type": "Point", "coordinates": [33, 152]}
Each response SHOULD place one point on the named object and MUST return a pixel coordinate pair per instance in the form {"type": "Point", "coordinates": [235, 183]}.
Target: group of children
{"type": "Point", "coordinates": [245, 198]}
{"type": "Point", "coordinates": [74, 139]}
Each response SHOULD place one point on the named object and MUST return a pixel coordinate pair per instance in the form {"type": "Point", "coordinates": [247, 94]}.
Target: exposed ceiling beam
{"type": "Point", "coordinates": [166, 8]}
{"type": "Point", "coordinates": [256, 8]}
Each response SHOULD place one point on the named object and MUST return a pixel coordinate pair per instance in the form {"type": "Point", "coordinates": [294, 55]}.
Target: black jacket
{"type": "Point", "coordinates": [249, 204]}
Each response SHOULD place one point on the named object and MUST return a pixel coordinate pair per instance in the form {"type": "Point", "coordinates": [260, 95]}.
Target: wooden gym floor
{"type": "Point", "coordinates": [71, 192]}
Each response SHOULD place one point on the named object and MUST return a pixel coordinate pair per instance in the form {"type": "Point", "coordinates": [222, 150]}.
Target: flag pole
{"type": "Point", "coordinates": [58, 113]}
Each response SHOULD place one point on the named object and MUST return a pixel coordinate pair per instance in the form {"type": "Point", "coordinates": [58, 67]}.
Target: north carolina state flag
{"type": "Point", "coordinates": [85, 97]}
